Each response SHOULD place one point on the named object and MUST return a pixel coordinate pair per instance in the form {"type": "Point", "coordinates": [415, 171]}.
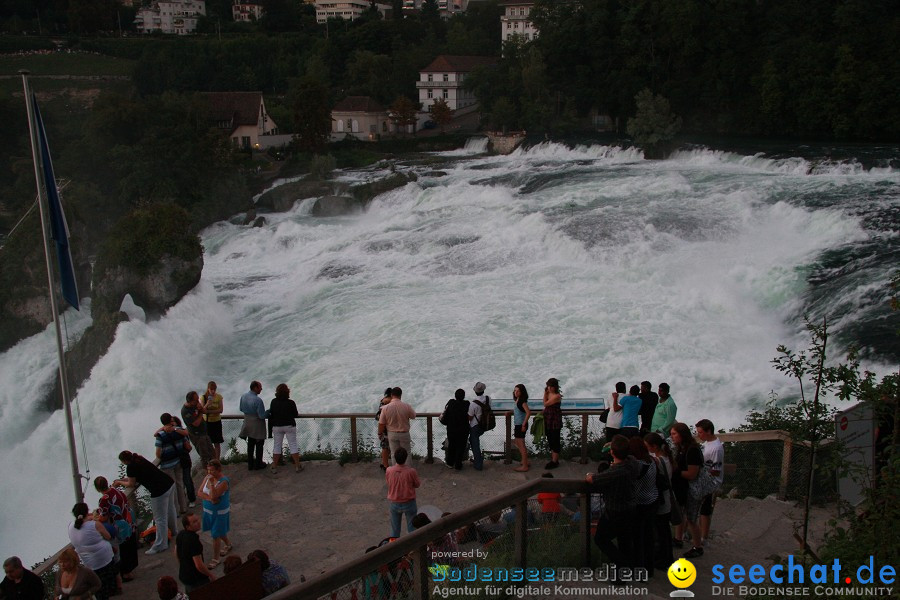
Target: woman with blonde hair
{"type": "Point", "coordinates": [216, 496]}
{"type": "Point", "coordinates": [73, 580]}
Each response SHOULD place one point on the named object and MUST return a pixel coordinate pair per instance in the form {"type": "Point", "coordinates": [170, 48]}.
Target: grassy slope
{"type": "Point", "coordinates": [62, 63]}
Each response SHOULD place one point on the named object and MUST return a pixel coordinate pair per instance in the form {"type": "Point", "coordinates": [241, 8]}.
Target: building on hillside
{"type": "Point", "coordinates": [515, 22]}
{"type": "Point", "coordinates": [243, 117]}
{"type": "Point", "coordinates": [447, 8]}
{"type": "Point", "coordinates": [345, 9]}
{"type": "Point", "coordinates": [241, 11]}
{"type": "Point", "coordinates": [444, 78]}
{"type": "Point", "coordinates": [170, 16]}
{"type": "Point", "coordinates": [361, 117]}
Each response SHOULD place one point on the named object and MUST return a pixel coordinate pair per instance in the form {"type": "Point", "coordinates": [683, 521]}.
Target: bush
{"type": "Point", "coordinates": [142, 238]}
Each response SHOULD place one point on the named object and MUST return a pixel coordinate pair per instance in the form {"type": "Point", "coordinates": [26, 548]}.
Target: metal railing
{"type": "Point", "coordinates": [409, 571]}
{"type": "Point", "coordinates": [355, 435]}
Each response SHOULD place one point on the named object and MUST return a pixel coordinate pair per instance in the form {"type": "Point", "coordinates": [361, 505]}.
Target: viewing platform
{"type": "Point", "coordinates": [328, 515]}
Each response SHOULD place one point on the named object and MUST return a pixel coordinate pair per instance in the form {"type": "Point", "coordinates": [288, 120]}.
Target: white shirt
{"type": "Point", "coordinates": [475, 411]}
{"type": "Point", "coordinates": [614, 419]}
{"type": "Point", "coordinates": [714, 458]}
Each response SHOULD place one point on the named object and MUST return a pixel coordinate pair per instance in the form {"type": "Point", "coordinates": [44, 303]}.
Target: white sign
{"type": "Point", "coordinates": [855, 429]}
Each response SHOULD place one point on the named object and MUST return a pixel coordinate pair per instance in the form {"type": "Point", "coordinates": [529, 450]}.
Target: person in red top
{"type": "Point", "coordinates": [402, 481]}
{"type": "Point", "coordinates": [114, 504]}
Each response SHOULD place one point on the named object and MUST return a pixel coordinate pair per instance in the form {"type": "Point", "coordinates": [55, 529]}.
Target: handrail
{"type": "Point", "coordinates": [420, 538]}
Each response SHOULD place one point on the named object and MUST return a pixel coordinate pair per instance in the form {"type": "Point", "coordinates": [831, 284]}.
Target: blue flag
{"type": "Point", "coordinates": [59, 229]}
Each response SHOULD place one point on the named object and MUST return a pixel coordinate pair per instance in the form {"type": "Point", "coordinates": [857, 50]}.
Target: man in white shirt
{"type": "Point", "coordinates": [714, 459]}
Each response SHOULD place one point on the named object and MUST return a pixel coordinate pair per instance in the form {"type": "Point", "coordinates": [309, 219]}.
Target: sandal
{"type": "Point", "coordinates": [213, 564]}
{"type": "Point", "coordinates": [225, 551]}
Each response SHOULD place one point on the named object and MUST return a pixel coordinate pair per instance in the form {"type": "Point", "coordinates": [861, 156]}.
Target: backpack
{"type": "Point", "coordinates": [487, 420]}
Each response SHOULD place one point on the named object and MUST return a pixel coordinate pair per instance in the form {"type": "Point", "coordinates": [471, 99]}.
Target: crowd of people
{"type": "Point", "coordinates": [658, 478]}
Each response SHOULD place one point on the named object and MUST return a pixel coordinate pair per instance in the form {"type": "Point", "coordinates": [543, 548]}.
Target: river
{"type": "Point", "coordinates": [586, 263]}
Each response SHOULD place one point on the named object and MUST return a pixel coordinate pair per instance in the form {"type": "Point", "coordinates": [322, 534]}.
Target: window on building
{"type": "Point", "coordinates": [515, 25]}
{"type": "Point", "coordinates": [508, 25]}
{"type": "Point", "coordinates": [431, 93]}
{"type": "Point", "coordinates": [245, 141]}
{"type": "Point", "coordinates": [446, 94]}
{"type": "Point", "coordinates": [430, 77]}
{"type": "Point", "coordinates": [446, 77]}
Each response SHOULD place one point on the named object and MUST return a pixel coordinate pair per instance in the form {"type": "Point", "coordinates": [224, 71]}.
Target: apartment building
{"type": "Point", "coordinates": [178, 17]}
{"type": "Point", "coordinates": [515, 22]}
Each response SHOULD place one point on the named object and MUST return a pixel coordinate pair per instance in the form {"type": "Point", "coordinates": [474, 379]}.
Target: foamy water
{"type": "Point", "coordinates": [584, 263]}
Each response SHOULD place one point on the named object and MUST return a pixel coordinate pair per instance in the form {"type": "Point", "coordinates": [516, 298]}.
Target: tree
{"type": "Point", "coordinates": [311, 109]}
{"type": "Point", "coordinates": [441, 113]}
{"type": "Point", "coordinates": [653, 127]}
{"type": "Point", "coordinates": [403, 113]}
{"type": "Point", "coordinates": [366, 76]}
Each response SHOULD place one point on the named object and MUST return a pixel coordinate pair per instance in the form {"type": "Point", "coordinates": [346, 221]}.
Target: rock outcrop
{"type": "Point", "coordinates": [155, 291]}
{"type": "Point", "coordinates": [283, 197]}
{"type": "Point", "coordinates": [359, 196]}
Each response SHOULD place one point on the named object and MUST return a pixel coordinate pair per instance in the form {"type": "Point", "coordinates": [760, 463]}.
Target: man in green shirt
{"type": "Point", "coordinates": [664, 415]}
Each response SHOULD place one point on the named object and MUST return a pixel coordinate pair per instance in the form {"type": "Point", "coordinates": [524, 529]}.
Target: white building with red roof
{"type": "Point", "coordinates": [445, 78]}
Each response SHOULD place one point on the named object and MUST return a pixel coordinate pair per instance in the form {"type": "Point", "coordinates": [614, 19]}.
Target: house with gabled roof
{"type": "Point", "coordinates": [361, 117]}
{"type": "Point", "coordinates": [444, 78]}
{"type": "Point", "coordinates": [242, 116]}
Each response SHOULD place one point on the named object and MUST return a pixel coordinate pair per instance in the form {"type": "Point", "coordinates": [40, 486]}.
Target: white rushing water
{"type": "Point", "coordinates": [588, 264]}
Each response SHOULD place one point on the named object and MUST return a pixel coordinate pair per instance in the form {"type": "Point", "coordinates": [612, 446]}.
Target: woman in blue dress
{"type": "Point", "coordinates": [216, 496]}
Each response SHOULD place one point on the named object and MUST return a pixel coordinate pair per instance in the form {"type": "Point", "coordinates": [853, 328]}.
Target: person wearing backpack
{"type": "Point", "coordinates": [115, 504]}
{"type": "Point", "coordinates": [477, 413]}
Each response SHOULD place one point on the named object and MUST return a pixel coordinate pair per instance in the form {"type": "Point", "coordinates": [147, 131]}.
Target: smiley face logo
{"type": "Point", "coordinates": [682, 573]}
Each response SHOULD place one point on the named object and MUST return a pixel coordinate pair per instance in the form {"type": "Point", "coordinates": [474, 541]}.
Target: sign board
{"type": "Point", "coordinates": [855, 430]}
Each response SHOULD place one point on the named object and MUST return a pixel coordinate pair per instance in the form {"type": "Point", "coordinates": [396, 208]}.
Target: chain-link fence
{"type": "Point", "coordinates": [331, 437]}
{"type": "Point", "coordinates": [778, 466]}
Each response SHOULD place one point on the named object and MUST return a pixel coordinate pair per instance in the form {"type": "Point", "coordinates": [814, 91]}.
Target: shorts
{"type": "Point", "coordinates": [214, 430]}
{"type": "Point", "coordinates": [385, 445]}
{"type": "Point", "coordinates": [518, 433]}
{"type": "Point", "coordinates": [707, 506]}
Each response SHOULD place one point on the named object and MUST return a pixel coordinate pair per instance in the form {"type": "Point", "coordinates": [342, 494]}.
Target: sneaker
{"type": "Point", "coordinates": [153, 551]}
{"type": "Point", "coordinates": [551, 465]}
{"type": "Point", "coordinates": [694, 552]}
{"type": "Point", "coordinates": [448, 465]}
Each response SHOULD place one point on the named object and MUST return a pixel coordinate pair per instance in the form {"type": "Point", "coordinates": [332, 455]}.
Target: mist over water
{"type": "Point", "coordinates": [584, 263]}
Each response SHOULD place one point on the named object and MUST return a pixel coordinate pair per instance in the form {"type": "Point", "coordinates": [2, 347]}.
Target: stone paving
{"type": "Point", "coordinates": [315, 520]}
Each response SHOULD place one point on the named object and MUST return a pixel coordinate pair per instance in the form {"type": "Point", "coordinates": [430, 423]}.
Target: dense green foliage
{"type": "Point", "coordinates": [653, 125]}
{"type": "Point", "coordinates": [143, 237]}
{"type": "Point", "coordinates": [784, 68]}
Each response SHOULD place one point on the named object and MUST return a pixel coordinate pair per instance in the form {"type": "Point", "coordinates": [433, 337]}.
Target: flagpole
{"type": "Point", "coordinates": [42, 203]}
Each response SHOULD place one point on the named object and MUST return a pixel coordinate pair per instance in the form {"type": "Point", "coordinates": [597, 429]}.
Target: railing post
{"type": "Point", "coordinates": [584, 439]}
{"type": "Point", "coordinates": [507, 445]}
{"type": "Point", "coordinates": [520, 552]}
{"type": "Point", "coordinates": [354, 443]}
{"type": "Point", "coordinates": [430, 457]}
{"type": "Point", "coordinates": [420, 573]}
{"type": "Point", "coordinates": [785, 468]}
{"type": "Point", "coordinates": [584, 527]}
